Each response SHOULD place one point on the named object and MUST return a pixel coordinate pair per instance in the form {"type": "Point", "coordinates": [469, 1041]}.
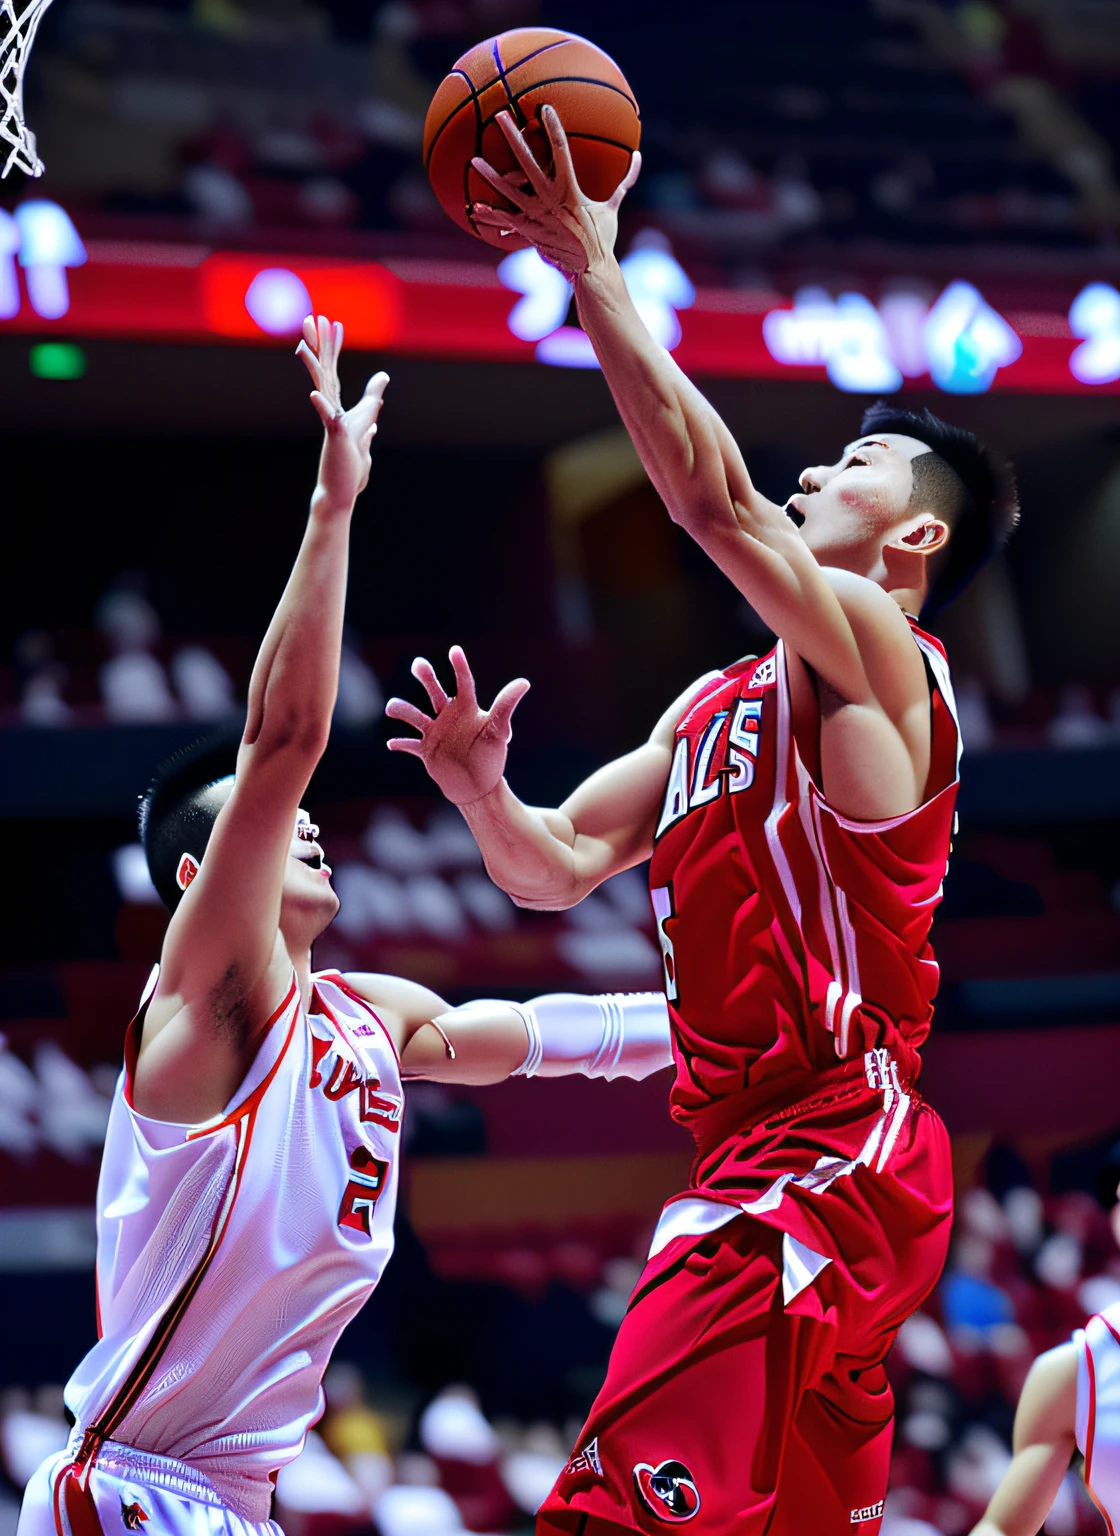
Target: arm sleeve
{"type": "Point", "coordinates": [617, 1034]}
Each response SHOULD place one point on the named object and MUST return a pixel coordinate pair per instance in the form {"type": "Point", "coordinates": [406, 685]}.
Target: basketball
{"type": "Point", "coordinates": [520, 72]}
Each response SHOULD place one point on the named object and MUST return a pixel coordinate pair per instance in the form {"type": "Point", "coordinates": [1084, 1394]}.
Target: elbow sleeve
{"type": "Point", "coordinates": [617, 1034]}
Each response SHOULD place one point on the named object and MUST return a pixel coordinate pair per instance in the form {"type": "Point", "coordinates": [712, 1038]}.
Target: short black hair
{"type": "Point", "coordinates": [181, 805]}
{"type": "Point", "coordinates": [965, 483]}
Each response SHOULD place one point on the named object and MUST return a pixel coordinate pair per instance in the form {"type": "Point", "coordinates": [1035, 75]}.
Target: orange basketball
{"type": "Point", "coordinates": [520, 72]}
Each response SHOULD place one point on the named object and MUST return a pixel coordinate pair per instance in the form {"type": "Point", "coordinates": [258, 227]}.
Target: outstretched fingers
{"type": "Point", "coordinates": [538, 179]}
{"type": "Point", "coordinates": [501, 711]}
{"type": "Point", "coordinates": [412, 744]}
{"type": "Point", "coordinates": [564, 180]}
{"type": "Point", "coordinates": [425, 674]}
{"type": "Point", "coordinates": [365, 413]}
{"type": "Point", "coordinates": [408, 714]}
{"type": "Point", "coordinates": [505, 222]}
{"type": "Point", "coordinates": [627, 181]}
{"type": "Point", "coordinates": [328, 412]}
{"type": "Point", "coordinates": [464, 679]}
{"type": "Point", "coordinates": [508, 186]}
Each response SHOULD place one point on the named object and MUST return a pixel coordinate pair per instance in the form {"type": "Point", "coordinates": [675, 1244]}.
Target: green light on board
{"type": "Point", "coordinates": [57, 360]}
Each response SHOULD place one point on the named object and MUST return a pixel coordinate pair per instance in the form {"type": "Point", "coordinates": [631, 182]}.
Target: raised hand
{"type": "Point", "coordinates": [344, 463]}
{"type": "Point", "coordinates": [569, 229]}
{"type": "Point", "coordinates": [462, 745]}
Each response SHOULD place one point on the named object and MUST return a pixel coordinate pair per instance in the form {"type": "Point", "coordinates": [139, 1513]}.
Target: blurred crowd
{"type": "Point", "coordinates": [910, 120]}
{"type": "Point", "coordinates": [1024, 1272]}
{"type": "Point", "coordinates": [127, 671]}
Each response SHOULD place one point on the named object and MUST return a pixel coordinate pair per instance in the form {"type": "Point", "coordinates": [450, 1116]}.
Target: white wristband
{"type": "Point", "coordinates": [617, 1034]}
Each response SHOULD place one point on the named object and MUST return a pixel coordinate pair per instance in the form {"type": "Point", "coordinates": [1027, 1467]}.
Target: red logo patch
{"type": "Point", "coordinates": [667, 1490]}
{"type": "Point", "coordinates": [188, 868]}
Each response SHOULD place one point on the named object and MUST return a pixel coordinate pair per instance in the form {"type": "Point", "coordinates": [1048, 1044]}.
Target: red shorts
{"type": "Point", "coordinates": [727, 1405]}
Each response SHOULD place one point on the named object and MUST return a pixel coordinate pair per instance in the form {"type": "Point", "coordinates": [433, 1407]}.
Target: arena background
{"type": "Point", "coordinates": [156, 454]}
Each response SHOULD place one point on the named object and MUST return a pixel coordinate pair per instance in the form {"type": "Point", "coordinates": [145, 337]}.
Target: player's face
{"type": "Point", "coordinates": [308, 894]}
{"type": "Point", "coordinates": [848, 510]}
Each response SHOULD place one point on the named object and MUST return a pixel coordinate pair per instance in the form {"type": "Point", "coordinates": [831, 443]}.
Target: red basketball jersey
{"type": "Point", "coordinates": [794, 938]}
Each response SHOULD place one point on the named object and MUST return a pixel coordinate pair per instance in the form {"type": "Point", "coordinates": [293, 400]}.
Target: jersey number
{"type": "Point", "coordinates": [362, 1190]}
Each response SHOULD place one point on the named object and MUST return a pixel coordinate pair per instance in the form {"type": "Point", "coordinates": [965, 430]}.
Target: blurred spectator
{"type": "Point", "coordinates": [1077, 723]}
{"type": "Point", "coordinates": [977, 731]}
{"type": "Point", "coordinates": [204, 686]}
{"type": "Point", "coordinates": [32, 1427]}
{"type": "Point", "coordinates": [467, 1453]}
{"type": "Point", "coordinates": [19, 1092]}
{"type": "Point", "coordinates": [42, 679]}
{"type": "Point", "coordinates": [532, 1463]}
{"type": "Point", "coordinates": [317, 1483]}
{"type": "Point", "coordinates": [360, 698]}
{"type": "Point", "coordinates": [134, 686]}
{"type": "Point", "coordinates": [354, 1432]}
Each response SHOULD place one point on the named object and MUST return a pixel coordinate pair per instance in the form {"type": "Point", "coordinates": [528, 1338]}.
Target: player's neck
{"type": "Point", "coordinates": [301, 964]}
{"type": "Point", "coordinates": [909, 599]}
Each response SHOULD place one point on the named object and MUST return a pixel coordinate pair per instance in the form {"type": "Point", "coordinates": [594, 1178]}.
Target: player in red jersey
{"type": "Point", "coordinates": [798, 809]}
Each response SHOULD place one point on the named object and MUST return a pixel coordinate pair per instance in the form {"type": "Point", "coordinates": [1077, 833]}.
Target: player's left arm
{"type": "Point", "coordinates": [1044, 1442]}
{"type": "Point", "coordinates": [618, 1035]}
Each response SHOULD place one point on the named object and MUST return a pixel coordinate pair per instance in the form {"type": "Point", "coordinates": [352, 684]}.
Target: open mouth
{"type": "Point", "coordinates": [313, 858]}
{"type": "Point", "coordinates": [796, 518]}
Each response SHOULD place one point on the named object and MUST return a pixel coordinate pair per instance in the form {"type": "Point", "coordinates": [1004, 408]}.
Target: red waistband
{"type": "Point", "coordinates": [786, 1098]}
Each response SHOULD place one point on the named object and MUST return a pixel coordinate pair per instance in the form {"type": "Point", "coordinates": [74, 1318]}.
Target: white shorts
{"type": "Point", "coordinates": [132, 1491]}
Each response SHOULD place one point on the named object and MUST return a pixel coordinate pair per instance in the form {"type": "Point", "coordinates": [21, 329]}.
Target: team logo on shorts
{"type": "Point", "coordinates": [133, 1515]}
{"type": "Point", "coordinates": [667, 1491]}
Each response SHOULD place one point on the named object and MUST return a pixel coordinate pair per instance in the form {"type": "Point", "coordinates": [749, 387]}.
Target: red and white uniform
{"type": "Point", "coordinates": [746, 1389]}
{"type": "Point", "coordinates": [230, 1257]}
{"type": "Point", "coordinates": [1098, 1411]}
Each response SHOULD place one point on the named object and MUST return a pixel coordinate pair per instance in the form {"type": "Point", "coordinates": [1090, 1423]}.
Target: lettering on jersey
{"type": "Point", "coordinates": [765, 672]}
{"type": "Point", "coordinates": [710, 776]}
{"type": "Point", "coordinates": [342, 1078]}
{"type": "Point", "coordinates": [368, 1175]}
{"type": "Point", "coordinates": [586, 1460]}
{"type": "Point", "coordinates": [742, 744]}
{"type": "Point", "coordinates": [663, 910]}
{"type": "Point", "coordinates": [676, 794]}
{"type": "Point", "coordinates": [704, 790]}
{"type": "Point", "coordinates": [868, 1512]}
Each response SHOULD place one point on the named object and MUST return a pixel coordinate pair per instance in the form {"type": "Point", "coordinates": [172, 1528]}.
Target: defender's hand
{"type": "Point", "coordinates": [344, 463]}
{"type": "Point", "coordinates": [464, 746]}
{"type": "Point", "coordinates": [567, 227]}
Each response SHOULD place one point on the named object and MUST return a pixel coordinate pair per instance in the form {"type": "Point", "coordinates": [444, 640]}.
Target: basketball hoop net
{"type": "Point", "coordinates": [19, 20]}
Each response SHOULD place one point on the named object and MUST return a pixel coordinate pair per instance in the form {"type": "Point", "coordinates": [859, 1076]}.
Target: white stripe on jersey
{"type": "Point", "coordinates": [232, 1254]}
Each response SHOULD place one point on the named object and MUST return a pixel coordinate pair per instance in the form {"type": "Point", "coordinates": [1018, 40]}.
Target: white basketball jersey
{"type": "Point", "coordinates": [232, 1254]}
{"type": "Point", "coordinates": [1098, 1410]}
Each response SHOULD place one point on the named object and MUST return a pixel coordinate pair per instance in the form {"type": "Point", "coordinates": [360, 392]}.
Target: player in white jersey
{"type": "Point", "coordinates": [245, 1209]}
{"type": "Point", "coordinates": [1071, 1400]}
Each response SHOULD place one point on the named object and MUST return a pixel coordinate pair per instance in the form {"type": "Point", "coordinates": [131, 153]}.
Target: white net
{"type": "Point", "coordinates": [18, 22]}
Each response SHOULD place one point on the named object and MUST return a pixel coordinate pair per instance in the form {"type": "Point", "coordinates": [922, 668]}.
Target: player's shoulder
{"type": "Point", "coordinates": [666, 727]}
{"type": "Point", "coordinates": [865, 602]}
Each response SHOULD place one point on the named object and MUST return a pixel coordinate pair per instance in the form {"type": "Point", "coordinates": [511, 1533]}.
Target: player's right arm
{"type": "Point", "coordinates": [544, 859]}
{"type": "Point", "coordinates": [1043, 1445]}
{"type": "Point", "coordinates": [224, 966]}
